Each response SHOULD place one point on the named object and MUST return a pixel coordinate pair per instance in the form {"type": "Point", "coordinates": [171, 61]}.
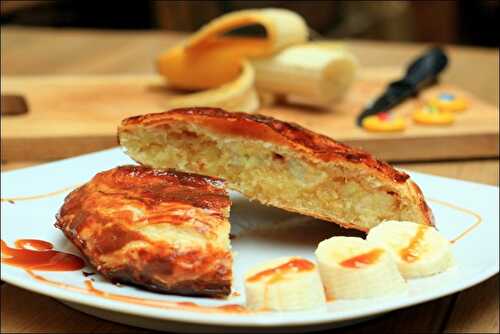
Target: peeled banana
{"type": "Point", "coordinates": [315, 73]}
{"type": "Point", "coordinates": [419, 250]}
{"type": "Point", "coordinates": [283, 284]}
{"type": "Point", "coordinates": [353, 268]}
{"type": "Point", "coordinates": [209, 58]}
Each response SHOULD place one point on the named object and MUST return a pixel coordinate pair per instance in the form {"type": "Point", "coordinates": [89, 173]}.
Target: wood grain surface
{"type": "Point", "coordinates": [79, 114]}
{"type": "Point", "coordinates": [28, 51]}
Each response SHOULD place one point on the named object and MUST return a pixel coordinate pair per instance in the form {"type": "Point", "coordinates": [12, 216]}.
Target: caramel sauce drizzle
{"type": "Point", "coordinates": [31, 254]}
{"type": "Point", "coordinates": [51, 260]}
{"type": "Point", "coordinates": [163, 304]}
{"type": "Point", "coordinates": [276, 273]}
{"type": "Point", "coordinates": [477, 217]}
{"type": "Point", "coordinates": [410, 252]}
{"type": "Point", "coordinates": [35, 197]}
{"type": "Point", "coordinates": [362, 260]}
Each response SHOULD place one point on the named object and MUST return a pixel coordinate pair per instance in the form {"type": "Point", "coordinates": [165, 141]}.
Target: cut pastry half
{"type": "Point", "coordinates": [163, 230]}
{"type": "Point", "coordinates": [277, 163]}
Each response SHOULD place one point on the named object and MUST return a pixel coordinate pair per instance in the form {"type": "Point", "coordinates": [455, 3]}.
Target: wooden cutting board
{"type": "Point", "coordinates": [71, 115]}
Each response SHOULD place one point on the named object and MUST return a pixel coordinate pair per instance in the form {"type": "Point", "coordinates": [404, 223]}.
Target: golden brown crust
{"type": "Point", "coordinates": [265, 128]}
{"type": "Point", "coordinates": [427, 214]}
{"type": "Point", "coordinates": [109, 220]}
{"type": "Point", "coordinates": [201, 140]}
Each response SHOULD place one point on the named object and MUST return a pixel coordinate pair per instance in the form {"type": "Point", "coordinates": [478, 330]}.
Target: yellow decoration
{"type": "Point", "coordinates": [430, 115]}
{"type": "Point", "coordinates": [448, 102]}
{"type": "Point", "coordinates": [384, 122]}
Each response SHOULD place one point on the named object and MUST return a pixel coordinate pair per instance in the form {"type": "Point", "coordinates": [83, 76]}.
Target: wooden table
{"type": "Point", "coordinates": [48, 51]}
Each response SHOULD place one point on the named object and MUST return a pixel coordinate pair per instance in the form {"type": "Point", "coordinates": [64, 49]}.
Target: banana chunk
{"type": "Point", "coordinates": [284, 284]}
{"type": "Point", "coordinates": [353, 268]}
{"type": "Point", "coordinates": [419, 250]}
{"type": "Point", "coordinates": [313, 73]}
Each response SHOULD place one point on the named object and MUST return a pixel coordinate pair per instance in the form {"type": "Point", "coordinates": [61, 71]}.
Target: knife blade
{"type": "Point", "coordinates": [421, 73]}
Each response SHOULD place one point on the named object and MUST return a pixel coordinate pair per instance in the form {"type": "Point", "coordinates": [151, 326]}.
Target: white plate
{"type": "Point", "coordinates": [262, 233]}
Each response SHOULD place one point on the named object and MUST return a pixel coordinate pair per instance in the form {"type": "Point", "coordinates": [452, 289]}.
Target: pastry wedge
{"type": "Point", "coordinates": [277, 163]}
{"type": "Point", "coordinates": [163, 230]}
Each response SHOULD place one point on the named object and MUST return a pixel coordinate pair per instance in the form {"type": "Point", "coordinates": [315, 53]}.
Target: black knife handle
{"type": "Point", "coordinates": [420, 73]}
{"type": "Point", "coordinates": [425, 69]}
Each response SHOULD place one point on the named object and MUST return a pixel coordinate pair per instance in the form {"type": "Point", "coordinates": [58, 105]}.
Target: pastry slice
{"type": "Point", "coordinates": [277, 163]}
{"type": "Point", "coordinates": [163, 230]}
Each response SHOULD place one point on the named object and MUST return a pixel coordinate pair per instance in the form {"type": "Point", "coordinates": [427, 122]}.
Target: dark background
{"type": "Point", "coordinates": [456, 22]}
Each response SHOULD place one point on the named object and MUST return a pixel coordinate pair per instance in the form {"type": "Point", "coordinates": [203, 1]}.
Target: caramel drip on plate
{"type": "Point", "coordinates": [35, 197]}
{"type": "Point", "coordinates": [363, 260]}
{"type": "Point", "coordinates": [477, 217]}
{"type": "Point", "coordinates": [32, 254]}
{"type": "Point", "coordinates": [410, 253]}
{"type": "Point", "coordinates": [163, 304]}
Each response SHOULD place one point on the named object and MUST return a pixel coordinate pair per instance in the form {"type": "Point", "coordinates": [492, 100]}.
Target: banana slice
{"type": "Point", "coordinates": [353, 268]}
{"type": "Point", "coordinates": [284, 284]}
{"type": "Point", "coordinates": [419, 250]}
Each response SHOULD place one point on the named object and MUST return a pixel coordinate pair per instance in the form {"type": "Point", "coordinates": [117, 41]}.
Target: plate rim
{"type": "Point", "coordinates": [236, 319]}
{"type": "Point", "coordinates": [223, 319]}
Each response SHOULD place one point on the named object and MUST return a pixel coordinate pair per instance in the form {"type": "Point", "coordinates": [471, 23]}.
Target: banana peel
{"type": "Point", "coordinates": [226, 71]}
{"type": "Point", "coordinates": [209, 59]}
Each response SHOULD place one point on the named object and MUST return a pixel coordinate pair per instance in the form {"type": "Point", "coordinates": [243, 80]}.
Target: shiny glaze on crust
{"type": "Point", "coordinates": [215, 283]}
{"type": "Point", "coordinates": [362, 260]}
{"type": "Point", "coordinates": [106, 215]}
{"type": "Point", "coordinates": [266, 128]}
{"type": "Point", "coordinates": [33, 254]}
{"type": "Point", "coordinates": [424, 208]}
{"type": "Point", "coordinates": [154, 185]}
{"type": "Point", "coordinates": [172, 193]}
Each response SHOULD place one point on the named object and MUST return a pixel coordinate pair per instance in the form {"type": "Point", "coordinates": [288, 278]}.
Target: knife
{"type": "Point", "coordinates": [421, 73]}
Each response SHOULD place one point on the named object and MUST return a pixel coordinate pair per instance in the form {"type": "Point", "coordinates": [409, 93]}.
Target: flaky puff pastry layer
{"type": "Point", "coordinates": [277, 163]}
{"type": "Point", "coordinates": [160, 229]}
